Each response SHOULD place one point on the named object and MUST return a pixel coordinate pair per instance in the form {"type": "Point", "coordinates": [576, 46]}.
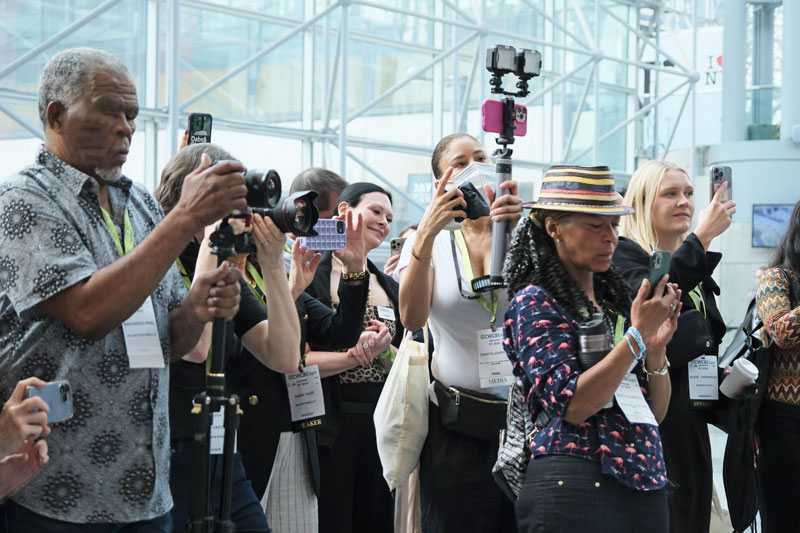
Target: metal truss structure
{"type": "Point", "coordinates": [593, 54]}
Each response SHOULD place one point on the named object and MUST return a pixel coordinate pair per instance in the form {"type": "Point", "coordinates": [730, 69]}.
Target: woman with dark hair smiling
{"type": "Point", "coordinates": [354, 496]}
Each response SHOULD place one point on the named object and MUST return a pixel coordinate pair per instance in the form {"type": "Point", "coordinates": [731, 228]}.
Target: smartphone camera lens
{"type": "Point", "coordinates": [339, 227]}
{"type": "Point", "coordinates": [64, 390]}
{"type": "Point", "coordinates": [197, 123]}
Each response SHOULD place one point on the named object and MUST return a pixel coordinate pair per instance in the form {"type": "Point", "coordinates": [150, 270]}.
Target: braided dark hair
{"type": "Point", "coordinates": [532, 259]}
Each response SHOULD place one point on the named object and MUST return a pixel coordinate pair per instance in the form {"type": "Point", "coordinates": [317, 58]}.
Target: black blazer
{"type": "Point", "coordinates": [320, 289]}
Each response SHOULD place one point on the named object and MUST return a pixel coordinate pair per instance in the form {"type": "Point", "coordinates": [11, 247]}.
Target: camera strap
{"type": "Point", "coordinates": [258, 283]}
{"type": "Point", "coordinates": [127, 232]}
{"type": "Point", "coordinates": [457, 239]}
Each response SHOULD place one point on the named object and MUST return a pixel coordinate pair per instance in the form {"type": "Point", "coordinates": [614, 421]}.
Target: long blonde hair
{"type": "Point", "coordinates": [641, 193]}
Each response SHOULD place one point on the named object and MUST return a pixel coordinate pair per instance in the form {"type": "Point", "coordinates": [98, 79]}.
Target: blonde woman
{"type": "Point", "coordinates": [663, 197]}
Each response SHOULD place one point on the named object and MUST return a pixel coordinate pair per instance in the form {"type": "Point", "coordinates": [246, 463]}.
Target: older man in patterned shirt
{"type": "Point", "coordinates": [89, 293]}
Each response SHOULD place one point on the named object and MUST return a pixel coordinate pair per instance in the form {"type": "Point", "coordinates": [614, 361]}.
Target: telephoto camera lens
{"type": "Point", "coordinates": [263, 188]}
{"type": "Point", "coordinates": [296, 214]}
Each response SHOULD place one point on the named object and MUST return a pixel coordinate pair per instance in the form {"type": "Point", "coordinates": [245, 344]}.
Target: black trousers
{"type": "Point", "coordinates": [457, 490]}
{"type": "Point", "coordinates": [564, 494]}
{"type": "Point", "coordinates": [354, 497]}
{"type": "Point", "coordinates": [779, 431]}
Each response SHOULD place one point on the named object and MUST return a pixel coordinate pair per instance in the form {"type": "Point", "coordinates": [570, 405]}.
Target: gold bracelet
{"type": "Point", "coordinates": [354, 276]}
{"type": "Point", "coordinates": [418, 258]}
{"type": "Point", "coordinates": [660, 372]}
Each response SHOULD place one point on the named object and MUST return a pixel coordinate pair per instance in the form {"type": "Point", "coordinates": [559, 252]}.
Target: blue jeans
{"type": "Point", "coordinates": [246, 510]}
{"type": "Point", "coordinates": [22, 520]}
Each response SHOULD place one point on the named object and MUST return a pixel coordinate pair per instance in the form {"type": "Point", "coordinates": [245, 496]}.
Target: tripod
{"type": "Point", "coordinates": [201, 520]}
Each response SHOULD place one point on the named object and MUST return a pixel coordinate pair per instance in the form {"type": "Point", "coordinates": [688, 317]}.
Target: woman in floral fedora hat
{"type": "Point", "coordinates": [596, 462]}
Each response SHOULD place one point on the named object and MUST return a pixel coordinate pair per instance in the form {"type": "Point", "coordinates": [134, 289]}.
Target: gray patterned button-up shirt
{"type": "Point", "coordinates": [110, 461]}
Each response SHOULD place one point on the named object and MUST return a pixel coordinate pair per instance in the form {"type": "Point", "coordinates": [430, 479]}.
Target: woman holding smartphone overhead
{"type": "Point", "coordinates": [435, 269]}
{"type": "Point", "coordinates": [663, 197]}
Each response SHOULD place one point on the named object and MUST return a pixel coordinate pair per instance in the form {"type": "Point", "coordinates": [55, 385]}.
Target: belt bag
{"type": "Point", "coordinates": [470, 413]}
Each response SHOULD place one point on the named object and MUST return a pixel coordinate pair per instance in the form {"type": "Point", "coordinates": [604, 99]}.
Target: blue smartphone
{"type": "Point", "coordinates": [57, 395]}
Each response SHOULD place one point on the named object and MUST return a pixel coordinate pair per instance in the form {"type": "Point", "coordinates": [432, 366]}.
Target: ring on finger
{"type": "Point", "coordinates": [672, 309]}
{"type": "Point", "coordinates": [365, 345]}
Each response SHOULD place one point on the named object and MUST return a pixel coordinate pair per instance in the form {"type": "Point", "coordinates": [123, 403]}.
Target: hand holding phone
{"type": "Point", "coordinates": [659, 265]}
{"type": "Point", "coordinates": [331, 235]}
{"type": "Point", "coordinates": [58, 397]}
{"type": "Point", "coordinates": [720, 174]}
{"type": "Point", "coordinates": [199, 128]}
{"type": "Point", "coordinates": [396, 245]}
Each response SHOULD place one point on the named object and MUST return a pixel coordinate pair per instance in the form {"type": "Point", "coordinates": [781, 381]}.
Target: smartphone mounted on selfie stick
{"type": "Point", "coordinates": [509, 120]}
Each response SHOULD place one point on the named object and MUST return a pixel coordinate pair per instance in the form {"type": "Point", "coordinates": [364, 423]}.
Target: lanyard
{"type": "Point", "coordinates": [258, 283]}
{"type": "Point", "coordinates": [619, 330]}
{"type": "Point", "coordinates": [127, 231]}
{"type": "Point", "coordinates": [184, 274]}
{"type": "Point", "coordinates": [457, 238]}
{"type": "Point", "coordinates": [699, 302]}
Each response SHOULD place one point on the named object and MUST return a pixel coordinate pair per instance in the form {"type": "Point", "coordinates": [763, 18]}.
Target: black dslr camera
{"type": "Point", "coordinates": [296, 214]}
{"type": "Point", "coordinates": [476, 205]}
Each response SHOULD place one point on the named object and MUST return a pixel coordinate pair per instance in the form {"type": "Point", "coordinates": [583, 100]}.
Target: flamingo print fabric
{"type": "Point", "coordinates": [541, 339]}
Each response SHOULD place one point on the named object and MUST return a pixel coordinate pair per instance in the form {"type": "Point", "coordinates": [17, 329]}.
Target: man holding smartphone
{"type": "Point", "coordinates": [89, 293]}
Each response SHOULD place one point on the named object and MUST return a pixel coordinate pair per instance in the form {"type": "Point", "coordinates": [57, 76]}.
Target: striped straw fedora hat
{"type": "Point", "coordinates": [579, 190]}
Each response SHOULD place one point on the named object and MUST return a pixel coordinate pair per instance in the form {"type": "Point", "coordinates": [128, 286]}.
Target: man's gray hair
{"type": "Point", "coordinates": [64, 77]}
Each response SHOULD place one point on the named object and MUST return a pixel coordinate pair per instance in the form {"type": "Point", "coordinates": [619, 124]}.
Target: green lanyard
{"type": "Point", "coordinates": [127, 230]}
{"type": "Point", "coordinates": [184, 274]}
{"type": "Point", "coordinates": [258, 287]}
{"type": "Point", "coordinates": [619, 331]}
{"type": "Point", "coordinates": [462, 247]}
{"type": "Point", "coordinates": [699, 302]}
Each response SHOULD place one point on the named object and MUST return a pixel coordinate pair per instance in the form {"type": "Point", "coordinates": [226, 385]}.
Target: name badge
{"type": "Point", "coordinates": [305, 398]}
{"type": "Point", "coordinates": [631, 400]}
{"type": "Point", "coordinates": [141, 338]}
{"type": "Point", "coordinates": [385, 313]}
{"type": "Point", "coordinates": [494, 368]}
{"type": "Point", "coordinates": [703, 378]}
{"type": "Point", "coordinates": [217, 440]}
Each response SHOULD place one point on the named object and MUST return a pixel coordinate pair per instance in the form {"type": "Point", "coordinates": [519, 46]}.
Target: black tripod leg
{"type": "Point", "coordinates": [200, 519]}
{"type": "Point", "coordinates": [232, 412]}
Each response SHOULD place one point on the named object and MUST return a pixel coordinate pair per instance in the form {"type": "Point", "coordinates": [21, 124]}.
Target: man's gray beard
{"type": "Point", "coordinates": [109, 175]}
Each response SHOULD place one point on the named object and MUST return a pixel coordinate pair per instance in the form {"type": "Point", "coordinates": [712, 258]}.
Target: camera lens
{"type": "Point", "coordinates": [339, 227]}
{"type": "Point", "coordinates": [263, 188]}
{"type": "Point", "coordinates": [197, 123]}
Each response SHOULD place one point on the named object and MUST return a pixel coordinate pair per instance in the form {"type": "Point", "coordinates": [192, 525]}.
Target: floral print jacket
{"type": "Point", "coordinates": [541, 340]}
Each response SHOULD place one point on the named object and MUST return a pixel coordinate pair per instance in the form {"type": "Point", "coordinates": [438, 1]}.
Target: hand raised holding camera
{"type": "Point", "coordinates": [649, 314]}
{"type": "Point", "coordinates": [269, 243]}
{"type": "Point", "coordinates": [211, 192]}
{"type": "Point", "coordinates": [444, 207]}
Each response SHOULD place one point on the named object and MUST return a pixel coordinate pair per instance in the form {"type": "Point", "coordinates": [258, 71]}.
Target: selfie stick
{"type": "Point", "coordinates": [211, 401]}
{"type": "Point", "coordinates": [526, 65]}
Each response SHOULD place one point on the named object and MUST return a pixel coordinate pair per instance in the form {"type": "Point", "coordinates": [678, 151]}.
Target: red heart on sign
{"type": "Point", "coordinates": [719, 60]}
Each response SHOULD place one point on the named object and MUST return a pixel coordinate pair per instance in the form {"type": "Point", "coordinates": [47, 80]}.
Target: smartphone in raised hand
{"type": "Point", "coordinates": [720, 174]}
{"type": "Point", "coordinates": [57, 395]}
{"type": "Point", "coordinates": [659, 265]}
{"type": "Point", "coordinates": [199, 128]}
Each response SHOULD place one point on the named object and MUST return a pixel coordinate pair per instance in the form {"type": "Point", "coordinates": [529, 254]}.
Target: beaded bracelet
{"type": "Point", "coordinates": [639, 341]}
{"type": "Point", "coordinates": [387, 353]}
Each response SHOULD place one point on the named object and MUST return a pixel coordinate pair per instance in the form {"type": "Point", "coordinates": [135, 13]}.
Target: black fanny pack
{"type": "Point", "coordinates": [475, 414]}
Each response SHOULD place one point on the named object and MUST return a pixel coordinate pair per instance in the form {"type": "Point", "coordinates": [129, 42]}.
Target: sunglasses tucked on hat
{"type": "Point", "coordinates": [579, 189]}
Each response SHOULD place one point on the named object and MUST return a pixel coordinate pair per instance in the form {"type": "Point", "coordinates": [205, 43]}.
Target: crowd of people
{"type": "Point", "coordinates": [115, 290]}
